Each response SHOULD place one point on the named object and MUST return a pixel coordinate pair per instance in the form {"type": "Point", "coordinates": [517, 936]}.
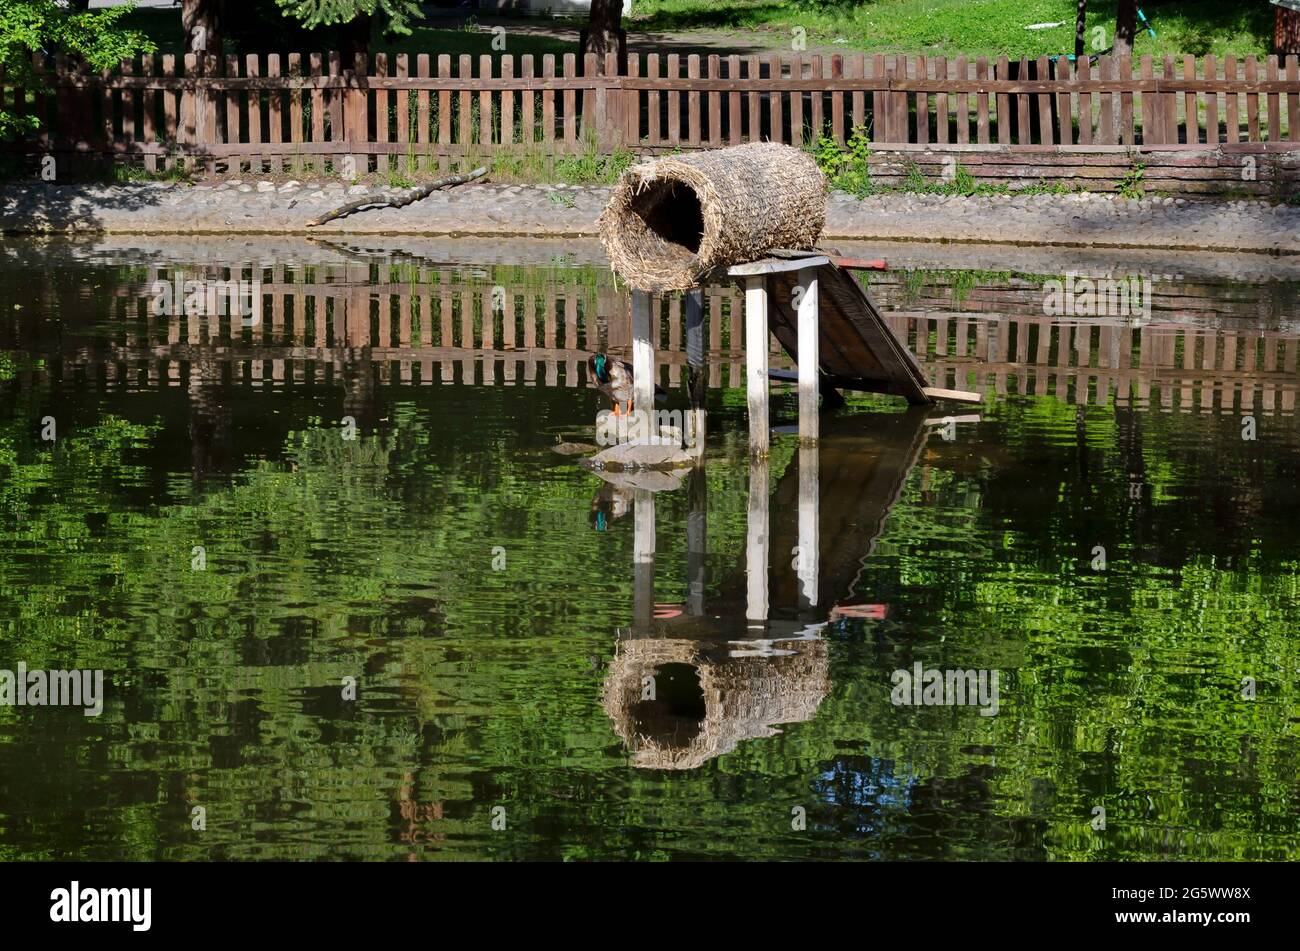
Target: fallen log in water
{"type": "Point", "coordinates": [380, 200]}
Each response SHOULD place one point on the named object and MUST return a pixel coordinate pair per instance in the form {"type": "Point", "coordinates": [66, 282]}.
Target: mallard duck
{"type": "Point", "coordinates": [614, 379]}
{"type": "Point", "coordinates": [609, 503]}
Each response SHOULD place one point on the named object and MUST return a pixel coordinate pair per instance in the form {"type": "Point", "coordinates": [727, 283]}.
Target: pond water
{"type": "Point", "coordinates": [242, 526]}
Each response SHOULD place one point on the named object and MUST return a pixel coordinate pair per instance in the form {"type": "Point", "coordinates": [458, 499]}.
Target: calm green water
{"type": "Point", "coordinates": [487, 596]}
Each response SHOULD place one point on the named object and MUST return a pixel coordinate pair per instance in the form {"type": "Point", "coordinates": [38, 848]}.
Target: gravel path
{"type": "Point", "coordinates": [263, 207]}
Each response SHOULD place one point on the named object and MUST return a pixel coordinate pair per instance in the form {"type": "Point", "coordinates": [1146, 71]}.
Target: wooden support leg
{"type": "Point", "coordinates": [643, 559]}
{"type": "Point", "coordinates": [809, 358]}
{"type": "Point", "coordinates": [643, 360]}
{"type": "Point", "coordinates": [697, 373]}
{"type": "Point", "coordinates": [756, 541]}
{"type": "Point", "coordinates": [760, 434]}
{"type": "Point", "coordinates": [809, 527]}
{"type": "Point", "coordinates": [696, 541]}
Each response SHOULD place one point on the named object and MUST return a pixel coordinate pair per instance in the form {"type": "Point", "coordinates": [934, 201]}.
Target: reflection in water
{"type": "Point", "coordinates": [677, 703]}
{"type": "Point", "coordinates": [448, 560]}
{"type": "Point", "coordinates": [690, 686]}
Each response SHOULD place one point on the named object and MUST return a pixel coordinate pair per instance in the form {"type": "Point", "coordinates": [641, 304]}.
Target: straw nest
{"type": "Point", "coordinates": [705, 705]}
{"type": "Point", "coordinates": [671, 221]}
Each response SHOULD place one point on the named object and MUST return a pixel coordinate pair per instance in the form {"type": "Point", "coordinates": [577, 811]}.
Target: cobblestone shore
{"type": "Point", "coordinates": [264, 207]}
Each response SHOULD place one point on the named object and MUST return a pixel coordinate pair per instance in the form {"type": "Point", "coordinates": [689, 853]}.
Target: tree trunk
{"type": "Point", "coordinates": [202, 22]}
{"type": "Point", "coordinates": [603, 27]}
{"type": "Point", "coordinates": [1126, 27]}
{"type": "Point", "coordinates": [1080, 28]}
{"type": "Point", "coordinates": [354, 38]}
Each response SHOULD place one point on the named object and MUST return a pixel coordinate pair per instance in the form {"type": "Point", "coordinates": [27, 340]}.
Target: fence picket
{"type": "Point", "coordinates": [570, 104]}
{"type": "Point", "coordinates": [854, 68]}
{"type": "Point", "coordinates": [1232, 101]}
{"type": "Point", "coordinates": [465, 72]}
{"type": "Point", "coordinates": [776, 112]}
{"type": "Point", "coordinates": [1045, 105]}
{"type": "Point", "coordinates": [982, 104]}
{"type": "Point", "coordinates": [507, 103]}
{"type": "Point", "coordinates": [1293, 98]}
{"type": "Point", "coordinates": [169, 99]}
{"type": "Point", "coordinates": [652, 101]}
{"type": "Point", "coordinates": [1127, 127]}
{"type": "Point", "coordinates": [674, 67]}
{"type": "Point", "coordinates": [423, 125]}
{"type": "Point", "coordinates": [963, 102]}
{"type": "Point", "coordinates": [406, 161]}
{"type": "Point", "coordinates": [296, 133]}
{"type": "Point", "coordinates": [837, 99]}
{"type": "Point", "coordinates": [486, 114]}
{"type": "Point", "coordinates": [1252, 100]}
{"type": "Point", "coordinates": [714, 68]}
{"type": "Point", "coordinates": [527, 116]}
{"type": "Point", "coordinates": [941, 102]}
{"type": "Point", "coordinates": [733, 121]}
{"type": "Point", "coordinates": [150, 132]}
{"type": "Point", "coordinates": [1211, 71]}
{"type": "Point", "coordinates": [1004, 105]}
{"type": "Point", "coordinates": [273, 114]}
{"type": "Point", "coordinates": [1273, 102]}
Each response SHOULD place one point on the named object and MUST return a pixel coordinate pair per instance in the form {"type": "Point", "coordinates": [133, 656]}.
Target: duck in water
{"type": "Point", "coordinates": [614, 379]}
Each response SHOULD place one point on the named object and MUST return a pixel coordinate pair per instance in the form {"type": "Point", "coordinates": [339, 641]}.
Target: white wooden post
{"type": "Point", "coordinates": [756, 540]}
{"type": "Point", "coordinates": [697, 524]}
{"type": "Point", "coordinates": [760, 434]}
{"type": "Point", "coordinates": [809, 358]}
{"type": "Point", "coordinates": [643, 359]}
{"type": "Point", "coordinates": [643, 558]}
{"type": "Point", "coordinates": [809, 526]}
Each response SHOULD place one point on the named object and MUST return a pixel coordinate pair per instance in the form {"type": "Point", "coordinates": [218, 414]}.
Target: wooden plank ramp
{"type": "Point", "coordinates": [857, 350]}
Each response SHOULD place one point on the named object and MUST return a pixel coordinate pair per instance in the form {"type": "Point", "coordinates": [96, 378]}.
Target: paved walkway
{"type": "Point", "coordinates": [253, 207]}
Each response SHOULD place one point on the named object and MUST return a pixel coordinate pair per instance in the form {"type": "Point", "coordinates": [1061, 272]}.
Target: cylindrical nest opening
{"type": "Point", "coordinates": [671, 221]}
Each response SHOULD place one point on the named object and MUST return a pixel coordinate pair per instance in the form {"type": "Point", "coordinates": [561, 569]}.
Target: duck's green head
{"type": "Point", "coordinates": [600, 362]}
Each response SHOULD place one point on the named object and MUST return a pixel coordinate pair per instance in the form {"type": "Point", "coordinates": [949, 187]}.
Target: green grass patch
{"type": "Point", "coordinates": [849, 170]}
{"type": "Point", "coordinates": [974, 27]}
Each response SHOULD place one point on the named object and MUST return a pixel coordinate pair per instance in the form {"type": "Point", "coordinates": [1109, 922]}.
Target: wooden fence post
{"type": "Point", "coordinates": [356, 123]}
{"type": "Point", "coordinates": [186, 134]}
{"type": "Point", "coordinates": [208, 125]}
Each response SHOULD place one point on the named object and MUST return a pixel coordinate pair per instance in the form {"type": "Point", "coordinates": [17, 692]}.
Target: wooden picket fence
{"type": "Point", "coordinates": [267, 112]}
{"type": "Point", "coordinates": [450, 326]}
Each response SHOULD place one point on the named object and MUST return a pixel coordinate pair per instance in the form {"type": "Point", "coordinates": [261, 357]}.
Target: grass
{"type": "Point", "coordinates": [849, 170]}
{"type": "Point", "coordinates": [974, 27]}
{"type": "Point", "coordinates": [532, 164]}
{"type": "Point", "coordinates": [949, 27]}
{"type": "Point", "coordinates": [124, 174]}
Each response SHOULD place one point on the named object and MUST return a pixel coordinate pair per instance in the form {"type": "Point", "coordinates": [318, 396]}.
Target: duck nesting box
{"type": "Point", "coordinates": [671, 221]}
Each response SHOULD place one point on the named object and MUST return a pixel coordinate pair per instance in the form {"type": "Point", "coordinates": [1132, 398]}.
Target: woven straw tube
{"type": "Point", "coordinates": [671, 221]}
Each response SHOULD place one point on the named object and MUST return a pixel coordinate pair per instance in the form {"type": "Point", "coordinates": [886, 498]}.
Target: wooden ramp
{"type": "Point", "coordinates": [857, 350]}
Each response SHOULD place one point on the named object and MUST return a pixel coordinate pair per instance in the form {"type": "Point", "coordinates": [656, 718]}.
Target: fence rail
{"type": "Point", "coordinates": [283, 113]}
